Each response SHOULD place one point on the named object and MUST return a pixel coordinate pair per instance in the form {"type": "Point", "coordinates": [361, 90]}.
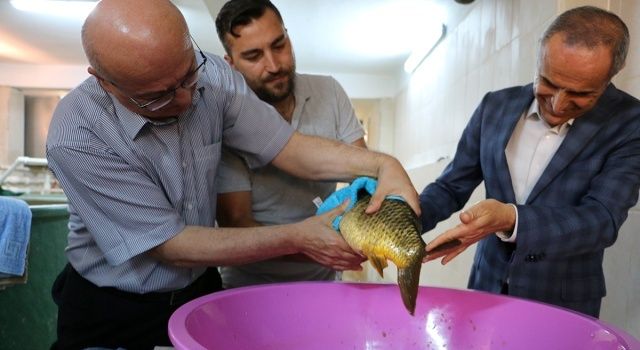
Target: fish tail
{"type": "Point", "coordinates": [408, 280]}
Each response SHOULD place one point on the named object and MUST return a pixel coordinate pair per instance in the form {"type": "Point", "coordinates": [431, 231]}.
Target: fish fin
{"type": "Point", "coordinates": [408, 280]}
{"type": "Point", "coordinates": [379, 263]}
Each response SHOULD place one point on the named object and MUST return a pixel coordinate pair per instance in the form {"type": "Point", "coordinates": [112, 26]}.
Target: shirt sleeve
{"type": "Point", "coordinates": [252, 128]}
{"type": "Point", "coordinates": [349, 127]}
{"type": "Point", "coordinates": [123, 209]}
{"type": "Point", "coordinates": [510, 236]}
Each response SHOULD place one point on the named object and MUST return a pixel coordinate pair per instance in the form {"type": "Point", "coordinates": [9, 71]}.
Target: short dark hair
{"type": "Point", "coordinates": [591, 26]}
{"type": "Point", "coordinates": [238, 13]}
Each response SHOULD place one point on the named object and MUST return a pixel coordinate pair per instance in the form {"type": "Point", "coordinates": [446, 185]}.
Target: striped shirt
{"type": "Point", "coordinates": [133, 183]}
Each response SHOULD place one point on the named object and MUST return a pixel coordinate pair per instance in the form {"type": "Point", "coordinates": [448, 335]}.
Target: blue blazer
{"type": "Point", "coordinates": [573, 212]}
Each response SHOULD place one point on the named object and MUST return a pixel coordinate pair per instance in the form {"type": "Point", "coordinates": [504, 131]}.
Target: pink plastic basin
{"type": "Point", "coordinates": [328, 316]}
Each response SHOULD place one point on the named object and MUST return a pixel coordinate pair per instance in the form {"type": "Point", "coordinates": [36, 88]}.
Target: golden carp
{"type": "Point", "coordinates": [393, 233]}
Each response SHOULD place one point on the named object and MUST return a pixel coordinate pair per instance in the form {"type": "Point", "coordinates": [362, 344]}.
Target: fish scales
{"type": "Point", "coordinates": [392, 233]}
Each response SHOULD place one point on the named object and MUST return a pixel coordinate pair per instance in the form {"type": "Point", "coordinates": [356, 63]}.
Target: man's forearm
{"type": "Point", "coordinates": [205, 246]}
{"type": "Point", "coordinates": [316, 158]}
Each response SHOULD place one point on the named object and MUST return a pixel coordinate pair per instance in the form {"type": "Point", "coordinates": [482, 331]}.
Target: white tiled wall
{"type": "Point", "coordinates": [494, 47]}
{"type": "Point", "coordinates": [621, 306]}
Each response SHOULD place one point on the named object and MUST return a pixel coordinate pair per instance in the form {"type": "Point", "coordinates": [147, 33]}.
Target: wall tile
{"type": "Point", "coordinates": [461, 61]}
{"type": "Point", "coordinates": [631, 86]}
{"type": "Point", "coordinates": [473, 95]}
{"type": "Point", "coordinates": [523, 61]}
{"type": "Point", "coordinates": [502, 74]}
{"type": "Point", "coordinates": [516, 23]}
{"type": "Point", "coordinates": [471, 30]}
{"type": "Point", "coordinates": [487, 29]}
{"type": "Point", "coordinates": [621, 263]}
{"type": "Point", "coordinates": [564, 5]}
{"type": "Point", "coordinates": [531, 13]}
{"type": "Point", "coordinates": [616, 267]}
{"type": "Point", "coordinates": [504, 23]}
{"type": "Point", "coordinates": [486, 77]}
{"type": "Point", "coordinates": [631, 15]}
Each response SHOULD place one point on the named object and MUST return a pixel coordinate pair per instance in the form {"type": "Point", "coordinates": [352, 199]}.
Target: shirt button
{"type": "Point", "coordinates": [184, 164]}
{"type": "Point", "coordinates": [189, 206]}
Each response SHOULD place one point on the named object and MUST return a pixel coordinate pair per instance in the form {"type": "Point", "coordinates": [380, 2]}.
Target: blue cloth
{"type": "Point", "coordinates": [15, 229]}
{"type": "Point", "coordinates": [573, 212]}
{"type": "Point", "coordinates": [350, 192]}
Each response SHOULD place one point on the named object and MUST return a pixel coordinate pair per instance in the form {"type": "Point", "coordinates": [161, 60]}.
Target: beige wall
{"type": "Point", "coordinates": [376, 116]}
{"type": "Point", "coordinates": [494, 47]}
{"type": "Point", "coordinates": [11, 125]}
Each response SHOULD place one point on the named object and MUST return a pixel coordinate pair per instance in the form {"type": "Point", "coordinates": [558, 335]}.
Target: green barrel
{"type": "Point", "coordinates": [27, 313]}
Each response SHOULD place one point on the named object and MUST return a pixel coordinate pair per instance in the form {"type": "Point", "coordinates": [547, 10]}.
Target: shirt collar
{"type": "Point", "coordinates": [133, 123]}
{"type": "Point", "coordinates": [534, 113]}
{"type": "Point", "coordinates": [302, 94]}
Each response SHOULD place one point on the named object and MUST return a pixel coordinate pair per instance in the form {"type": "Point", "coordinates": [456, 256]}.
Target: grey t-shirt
{"type": "Point", "coordinates": [322, 109]}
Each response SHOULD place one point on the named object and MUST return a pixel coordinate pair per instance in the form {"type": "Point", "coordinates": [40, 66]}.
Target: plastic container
{"type": "Point", "coordinates": [326, 315]}
{"type": "Point", "coordinates": [28, 314]}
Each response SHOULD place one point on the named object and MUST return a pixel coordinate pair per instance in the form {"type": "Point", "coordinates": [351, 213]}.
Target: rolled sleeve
{"type": "Point", "coordinates": [253, 128]}
{"type": "Point", "coordinates": [123, 210]}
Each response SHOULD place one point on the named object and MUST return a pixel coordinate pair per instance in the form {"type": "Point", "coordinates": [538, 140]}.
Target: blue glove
{"type": "Point", "coordinates": [351, 192]}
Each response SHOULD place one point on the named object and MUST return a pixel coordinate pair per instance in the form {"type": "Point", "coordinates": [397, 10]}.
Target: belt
{"type": "Point", "coordinates": [168, 298]}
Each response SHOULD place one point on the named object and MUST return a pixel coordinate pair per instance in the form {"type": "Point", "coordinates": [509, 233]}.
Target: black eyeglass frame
{"type": "Point", "coordinates": [169, 95]}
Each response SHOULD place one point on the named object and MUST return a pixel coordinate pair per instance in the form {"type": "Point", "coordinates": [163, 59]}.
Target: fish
{"type": "Point", "coordinates": [393, 233]}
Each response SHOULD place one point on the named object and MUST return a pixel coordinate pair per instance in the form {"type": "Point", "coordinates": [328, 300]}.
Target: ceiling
{"type": "Point", "coordinates": [329, 36]}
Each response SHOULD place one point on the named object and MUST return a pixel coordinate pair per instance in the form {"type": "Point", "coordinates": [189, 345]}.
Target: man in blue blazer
{"type": "Point", "coordinates": [560, 161]}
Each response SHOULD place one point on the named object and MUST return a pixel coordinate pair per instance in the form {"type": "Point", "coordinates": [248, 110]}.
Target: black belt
{"type": "Point", "coordinates": [168, 298]}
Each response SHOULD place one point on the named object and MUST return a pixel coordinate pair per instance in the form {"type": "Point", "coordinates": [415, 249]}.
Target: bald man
{"type": "Point", "coordinates": [136, 148]}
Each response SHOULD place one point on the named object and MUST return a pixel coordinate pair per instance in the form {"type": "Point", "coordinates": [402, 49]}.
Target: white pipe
{"type": "Point", "coordinates": [28, 161]}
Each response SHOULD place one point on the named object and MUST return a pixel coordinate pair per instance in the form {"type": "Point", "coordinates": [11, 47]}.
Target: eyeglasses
{"type": "Point", "coordinates": [189, 81]}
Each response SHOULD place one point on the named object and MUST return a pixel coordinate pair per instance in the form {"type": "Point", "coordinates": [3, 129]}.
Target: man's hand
{"type": "Point", "coordinates": [319, 241]}
{"type": "Point", "coordinates": [393, 180]}
{"type": "Point", "coordinates": [484, 218]}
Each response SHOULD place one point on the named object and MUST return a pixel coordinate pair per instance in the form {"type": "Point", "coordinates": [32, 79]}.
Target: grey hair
{"type": "Point", "coordinates": [591, 27]}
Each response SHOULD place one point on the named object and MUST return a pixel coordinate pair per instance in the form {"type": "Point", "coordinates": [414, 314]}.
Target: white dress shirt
{"type": "Point", "coordinates": [530, 149]}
